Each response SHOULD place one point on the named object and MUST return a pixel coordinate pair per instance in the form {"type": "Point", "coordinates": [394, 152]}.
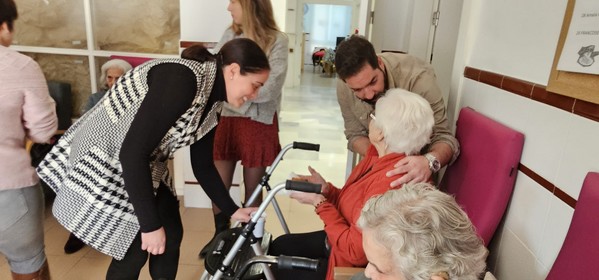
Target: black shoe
{"type": "Point", "coordinates": [222, 222]}
{"type": "Point", "coordinates": [73, 245]}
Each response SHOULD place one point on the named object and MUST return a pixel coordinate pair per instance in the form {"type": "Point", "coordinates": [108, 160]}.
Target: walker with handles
{"type": "Point", "coordinates": [224, 261]}
{"type": "Point", "coordinates": [254, 237]}
{"type": "Point", "coordinates": [264, 181]}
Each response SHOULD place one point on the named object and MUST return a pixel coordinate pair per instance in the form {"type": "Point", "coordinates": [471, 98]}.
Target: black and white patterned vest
{"type": "Point", "coordinates": [84, 170]}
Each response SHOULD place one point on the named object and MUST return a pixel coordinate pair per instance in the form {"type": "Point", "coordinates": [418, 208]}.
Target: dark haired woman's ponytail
{"type": "Point", "coordinates": [198, 53]}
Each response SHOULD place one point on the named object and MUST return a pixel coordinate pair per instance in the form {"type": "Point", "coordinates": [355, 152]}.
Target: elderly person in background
{"type": "Point", "coordinates": [402, 126]}
{"type": "Point", "coordinates": [111, 71]}
{"type": "Point", "coordinates": [419, 233]}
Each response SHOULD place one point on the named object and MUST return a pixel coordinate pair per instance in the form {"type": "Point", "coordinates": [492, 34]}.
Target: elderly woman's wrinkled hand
{"type": "Point", "coordinates": [307, 198]}
{"type": "Point", "coordinates": [315, 178]}
{"type": "Point", "coordinates": [416, 170]}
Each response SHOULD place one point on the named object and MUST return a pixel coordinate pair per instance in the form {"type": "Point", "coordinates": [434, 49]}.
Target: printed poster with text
{"type": "Point", "coordinates": [581, 48]}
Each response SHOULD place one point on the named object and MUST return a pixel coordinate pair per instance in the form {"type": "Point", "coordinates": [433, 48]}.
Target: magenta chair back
{"type": "Point", "coordinates": [483, 176]}
{"type": "Point", "coordinates": [579, 255]}
{"type": "Point", "coordinates": [134, 61]}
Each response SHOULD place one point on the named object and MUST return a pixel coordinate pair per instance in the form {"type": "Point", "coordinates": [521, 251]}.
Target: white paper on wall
{"type": "Point", "coordinates": [581, 48]}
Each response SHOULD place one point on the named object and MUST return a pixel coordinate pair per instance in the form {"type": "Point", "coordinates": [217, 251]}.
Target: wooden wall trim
{"type": "Point", "coordinates": [187, 44]}
{"type": "Point", "coordinates": [557, 192]}
{"type": "Point", "coordinates": [196, 183]}
{"type": "Point", "coordinates": [535, 91]}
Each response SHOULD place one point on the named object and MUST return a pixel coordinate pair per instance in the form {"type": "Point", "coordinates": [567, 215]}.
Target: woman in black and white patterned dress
{"type": "Point", "coordinates": [109, 170]}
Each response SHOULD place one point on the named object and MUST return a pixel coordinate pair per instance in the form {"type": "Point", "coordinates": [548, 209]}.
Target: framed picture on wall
{"type": "Point", "coordinates": [579, 85]}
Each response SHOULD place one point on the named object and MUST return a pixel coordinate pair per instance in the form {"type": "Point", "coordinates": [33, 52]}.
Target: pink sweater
{"type": "Point", "coordinates": [26, 111]}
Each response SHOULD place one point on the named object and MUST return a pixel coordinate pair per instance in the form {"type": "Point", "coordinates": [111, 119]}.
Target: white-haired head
{"type": "Point", "coordinates": [424, 232]}
{"type": "Point", "coordinates": [405, 119]}
{"type": "Point", "coordinates": [120, 64]}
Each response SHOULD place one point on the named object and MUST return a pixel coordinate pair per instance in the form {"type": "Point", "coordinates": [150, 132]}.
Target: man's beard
{"type": "Point", "coordinates": [374, 98]}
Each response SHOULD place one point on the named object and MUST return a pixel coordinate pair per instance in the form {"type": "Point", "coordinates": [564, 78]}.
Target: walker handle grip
{"type": "Point", "coordinates": [287, 262]}
{"type": "Point", "coordinates": [302, 186]}
{"type": "Point", "coordinates": [306, 146]}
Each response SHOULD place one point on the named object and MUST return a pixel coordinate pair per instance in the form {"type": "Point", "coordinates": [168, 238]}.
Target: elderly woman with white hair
{"type": "Point", "coordinates": [419, 233]}
{"type": "Point", "coordinates": [111, 71]}
{"type": "Point", "coordinates": [400, 126]}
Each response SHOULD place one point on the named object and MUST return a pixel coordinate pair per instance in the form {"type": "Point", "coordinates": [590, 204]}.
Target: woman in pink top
{"type": "Point", "coordinates": [26, 112]}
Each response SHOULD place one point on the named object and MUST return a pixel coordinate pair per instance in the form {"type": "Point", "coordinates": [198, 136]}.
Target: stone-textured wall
{"type": "Point", "coordinates": [50, 23]}
{"type": "Point", "coordinates": [150, 26]}
{"type": "Point", "coordinates": [67, 68]}
{"type": "Point", "coordinates": [143, 26]}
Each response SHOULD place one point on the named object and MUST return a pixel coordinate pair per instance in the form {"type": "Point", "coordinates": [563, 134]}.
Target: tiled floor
{"type": "Point", "coordinates": [310, 113]}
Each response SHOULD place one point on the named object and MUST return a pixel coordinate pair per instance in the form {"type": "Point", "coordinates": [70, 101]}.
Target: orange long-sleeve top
{"type": "Point", "coordinates": [342, 209]}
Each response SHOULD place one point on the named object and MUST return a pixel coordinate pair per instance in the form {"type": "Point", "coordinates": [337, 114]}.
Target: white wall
{"type": "Point", "coordinates": [392, 25]}
{"type": "Point", "coordinates": [204, 20]}
{"type": "Point", "coordinates": [444, 49]}
{"type": "Point", "coordinates": [518, 39]}
{"type": "Point", "coordinates": [279, 8]}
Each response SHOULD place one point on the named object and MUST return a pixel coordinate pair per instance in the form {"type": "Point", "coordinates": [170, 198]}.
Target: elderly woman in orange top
{"type": "Point", "coordinates": [401, 126]}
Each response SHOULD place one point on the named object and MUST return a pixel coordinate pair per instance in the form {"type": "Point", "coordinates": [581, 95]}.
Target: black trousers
{"type": "Point", "coordinates": [309, 245]}
{"type": "Point", "coordinates": [162, 266]}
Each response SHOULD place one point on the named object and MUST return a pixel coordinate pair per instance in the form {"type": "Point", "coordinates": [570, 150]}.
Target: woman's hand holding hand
{"type": "Point", "coordinates": [243, 214]}
{"type": "Point", "coordinates": [154, 242]}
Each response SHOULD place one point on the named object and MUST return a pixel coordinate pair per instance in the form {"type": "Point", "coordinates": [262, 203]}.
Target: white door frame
{"type": "Point", "coordinates": [294, 30]}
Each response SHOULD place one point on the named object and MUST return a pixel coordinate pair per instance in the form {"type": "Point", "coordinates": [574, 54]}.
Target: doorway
{"type": "Point", "coordinates": [294, 27]}
{"type": "Point", "coordinates": [323, 25]}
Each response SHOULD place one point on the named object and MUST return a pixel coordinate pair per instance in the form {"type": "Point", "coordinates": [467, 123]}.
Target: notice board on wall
{"type": "Point", "coordinates": [577, 85]}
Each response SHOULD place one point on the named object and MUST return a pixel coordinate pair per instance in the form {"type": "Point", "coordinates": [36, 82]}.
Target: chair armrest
{"type": "Point", "coordinates": [345, 273]}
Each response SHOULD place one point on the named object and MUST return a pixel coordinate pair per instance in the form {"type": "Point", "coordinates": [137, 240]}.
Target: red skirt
{"type": "Point", "coordinates": [254, 143]}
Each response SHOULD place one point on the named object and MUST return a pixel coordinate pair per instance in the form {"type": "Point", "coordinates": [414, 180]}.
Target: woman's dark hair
{"type": "Point", "coordinates": [8, 13]}
{"type": "Point", "coordinates": [352, 54]}
{"type": "Point", "coordinates": [198, 53]}
{"type": "Point", "coordinates": [245, 52]}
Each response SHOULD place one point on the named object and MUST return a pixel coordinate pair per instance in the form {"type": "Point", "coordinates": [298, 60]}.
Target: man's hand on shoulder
{"type": "Point", "coordinates": [415, 169]}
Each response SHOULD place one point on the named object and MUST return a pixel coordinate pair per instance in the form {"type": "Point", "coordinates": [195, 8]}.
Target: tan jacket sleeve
{"type": "Point", "coordinates": [354, 127]}
{"type": "Point", "coordinates": [426, 85]}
